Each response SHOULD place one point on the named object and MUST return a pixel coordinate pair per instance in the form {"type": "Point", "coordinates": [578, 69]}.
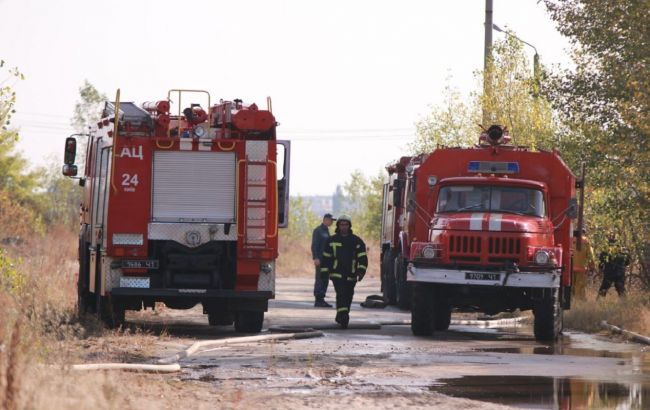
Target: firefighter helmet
{"type": "Point", "coordinates": [346, 218]}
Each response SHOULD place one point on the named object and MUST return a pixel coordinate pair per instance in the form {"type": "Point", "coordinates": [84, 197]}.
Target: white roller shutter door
{"type": "Point", "coordinates": [193, 186]}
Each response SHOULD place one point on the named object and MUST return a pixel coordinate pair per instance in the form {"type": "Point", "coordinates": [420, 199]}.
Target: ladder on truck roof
{"type": "Point", "coordinates": [256, 203]}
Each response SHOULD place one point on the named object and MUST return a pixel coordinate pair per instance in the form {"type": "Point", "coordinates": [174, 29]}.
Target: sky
{"type": "Point", "coordinates": [348, 79]}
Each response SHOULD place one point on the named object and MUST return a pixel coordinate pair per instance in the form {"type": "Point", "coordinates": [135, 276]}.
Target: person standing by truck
{"type": "Point", "coordinates": [613, 262]}
{"type": "Point", "coordinates": [345, 261]}
{"type": "Point", "coordinates": [584, 266]}
{"type": "Point", "coordinates": [318, 239]}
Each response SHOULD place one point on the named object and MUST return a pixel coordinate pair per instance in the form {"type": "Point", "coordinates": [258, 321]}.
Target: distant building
{"type": "Point", "coordinates": [334, 204]}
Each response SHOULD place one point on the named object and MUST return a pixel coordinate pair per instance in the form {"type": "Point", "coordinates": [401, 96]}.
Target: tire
{"type": "Point", "coordinates": [111, 313]}
{"type": "Point", "coordinates": [403, 288]}
{"type": "Point", "coordinates": [548, 317]}
{"type": "Point", "coordinates": [441, 313]}
{"type": "Point", "coordinates": [388, 278]}
{"type": "Point", "coordinates": [249, 322]}
{"type": "Point", "coordinates": [85, 300]}
{"type": "Point", "coordinates": [422, 319]}
{"type": "Point", "coordinates": [220, 318]}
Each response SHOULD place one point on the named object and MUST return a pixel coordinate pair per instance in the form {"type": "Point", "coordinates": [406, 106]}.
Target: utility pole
{"type": "Point", "coordinates": [487, 56]}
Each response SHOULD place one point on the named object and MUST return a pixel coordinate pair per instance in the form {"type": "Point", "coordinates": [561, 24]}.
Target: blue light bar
{"type": "Point", "coordinates": [474, 166]}
{"type": "Point", "coordinates": [493, 167]}
{"type": "Point", "coordinates": [513, 167]}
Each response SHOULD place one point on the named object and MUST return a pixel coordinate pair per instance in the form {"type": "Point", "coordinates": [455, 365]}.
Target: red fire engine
{"type": "Point", "coordinates": [181, 208]}
{"type": "Point", "coordinates": [479, 229]}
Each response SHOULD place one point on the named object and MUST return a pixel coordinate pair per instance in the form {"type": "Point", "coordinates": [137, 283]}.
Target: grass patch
{"type": "Point", "coordinates": [631, 313]}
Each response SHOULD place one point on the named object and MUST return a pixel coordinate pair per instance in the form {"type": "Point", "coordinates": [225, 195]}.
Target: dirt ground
{"type": "Point", "coordinates": [464, 367]}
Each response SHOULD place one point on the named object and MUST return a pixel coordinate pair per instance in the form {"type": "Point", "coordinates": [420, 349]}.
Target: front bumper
{"type": "Point", "coordinates": [491, 278]}
{"type": "Point", "coordinates": [199, 294]}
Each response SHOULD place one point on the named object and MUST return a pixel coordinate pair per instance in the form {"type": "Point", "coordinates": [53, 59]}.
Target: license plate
{"type": "Point", "coordinates": [141, 264]}
{"type": "Point", "coordinates": [482, 276]}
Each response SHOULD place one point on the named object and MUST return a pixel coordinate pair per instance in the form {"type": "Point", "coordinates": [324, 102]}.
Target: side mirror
{"type": "Point", "coordinates": [70, 151]}
{"type": "Point", "coordinates": [572, 210]}
{"type": "Point", "coordinates": [69, 170]}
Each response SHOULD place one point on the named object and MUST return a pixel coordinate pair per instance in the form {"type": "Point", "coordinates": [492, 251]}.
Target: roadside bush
{"type": "Point", "coordinates": [631, 313]}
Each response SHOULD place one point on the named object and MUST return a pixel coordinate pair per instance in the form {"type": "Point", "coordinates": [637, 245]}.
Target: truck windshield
{"type": "Point", "coordinates": [485, 198]}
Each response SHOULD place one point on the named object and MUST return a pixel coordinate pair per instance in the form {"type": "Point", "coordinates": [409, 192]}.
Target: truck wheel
{"type": "Point", "coordinates": [548, 317]}
{"type": "Point", "coordinates": [441, 313]}
{"type": "Point", "coordinates": [85, 300]}
{"type": "Point", "coordinates": [403, 288]}
{"type": "Point", "coordinates": [112, 313]}
{"type": "Point", "coordinates": [388, 278]}
{"type": "Point", "coordinates": [220, 318]}
{"type": "Point", "coordinates": [422, 320]}
{"type": "Point", "coordinates": [249, 322]}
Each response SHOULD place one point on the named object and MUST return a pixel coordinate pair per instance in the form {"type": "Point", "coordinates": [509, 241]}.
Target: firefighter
{"type": "Point", "coordinates": [318, 239]}
{"type": "Point", "coordinates": [584, 266]}
{"type": "Point", "coordinates": [613, 263]}
{"type": "Point", "coordinates": [345, 261]}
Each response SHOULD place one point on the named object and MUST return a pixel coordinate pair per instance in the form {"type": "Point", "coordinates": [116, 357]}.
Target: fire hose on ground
{"type": "Point", "coordinates": [170, 364]}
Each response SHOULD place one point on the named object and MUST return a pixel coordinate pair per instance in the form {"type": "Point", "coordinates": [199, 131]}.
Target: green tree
{"type": "Point", "coordinates": [513, 102]}
{"type": "Point", "coordinates": [302, 220]}
{"type": "Point", "coordinates": [604, 104]}
{"type": "Point", "coordinates": [365, 196]}
{"type": "Point", "coordinates": [18, 185]}
{"type": "Point", "coordinates": [87, 111]}
{"type": "Point", "coordinates": [62, 197]}
{"type": "Point", "coordinates": [448, 125]}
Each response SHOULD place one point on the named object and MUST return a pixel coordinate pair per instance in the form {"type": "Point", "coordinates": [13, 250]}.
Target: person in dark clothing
{"type": "Point", "coordinates": [613, 263]}
{"type": "Point", "coordinates": [346, 261]}
{"type": "Point", "coordinates": [318, 239]}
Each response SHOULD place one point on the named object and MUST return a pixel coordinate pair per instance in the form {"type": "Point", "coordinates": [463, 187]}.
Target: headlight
{"type": "Point", "coordinates": [429, 252]}
{"type": "Point", "coordinates": [542, 257]}
{"type": "Point", "coordinates": [266, 267]}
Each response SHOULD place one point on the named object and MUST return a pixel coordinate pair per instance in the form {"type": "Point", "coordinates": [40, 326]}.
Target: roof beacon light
{"type": "Point", "coordinates": [493, 167]}
{"type": "Point", "coordinates": [494, 135]}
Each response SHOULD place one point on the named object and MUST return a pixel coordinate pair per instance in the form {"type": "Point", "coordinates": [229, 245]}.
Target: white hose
{"type": "Point", "coordinates": [630, 335]}
{"type": "Point", "coordinates": [196, 347]}
{"type": "Point", "coordinates": [155, 368]}
{"type": "Point", "coordinates": [170, 364]}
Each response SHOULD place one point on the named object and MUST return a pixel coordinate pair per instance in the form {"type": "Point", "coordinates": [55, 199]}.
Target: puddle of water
{"type": "Point", "coordinates": [535, 392]}
{"type": "Point", "coordinates": [584, 345]}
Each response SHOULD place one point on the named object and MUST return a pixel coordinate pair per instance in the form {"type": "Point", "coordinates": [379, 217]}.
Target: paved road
{"type": "Point", "coordinates": [388, 367]}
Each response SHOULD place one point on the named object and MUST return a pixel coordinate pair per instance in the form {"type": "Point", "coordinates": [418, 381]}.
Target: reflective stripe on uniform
{"type": "Point", "coordinates": [352, 279]}
{"type": "Point", "coordinates": [335, 245]}
{"type": "Point", "coordinates": [336, 275]}
{"type": "Point", "coordinates": [329, 255]}
{"type": "Point", "coordinates": [324, 269]}
{"type": "Point", "coordinates": [336, 263]}
{"type": "Point", "coordinates": [362, 254]}
{"type": "Point", "coordinates": [362, 267]}
{"type": "Point", "coordinates": [343, 309]}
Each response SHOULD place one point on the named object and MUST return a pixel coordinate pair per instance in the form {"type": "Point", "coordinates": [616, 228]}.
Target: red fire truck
{"type": "Point", "coordinates": [181, 208]}
{"type": "Point", "coordinates": [485, 229]}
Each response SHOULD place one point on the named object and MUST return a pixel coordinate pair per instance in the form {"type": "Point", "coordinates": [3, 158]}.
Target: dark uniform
{"type": "Point", "coordinates": [613, 266]}
{"type": "Point", "coordinates": [346, 261]}
{"type": "Point", "coordinates": [318, 240]}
